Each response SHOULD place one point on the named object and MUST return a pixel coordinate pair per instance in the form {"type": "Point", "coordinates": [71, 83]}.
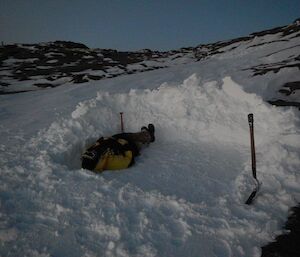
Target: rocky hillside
{"type": "Point", "coordinates": [27, 67]}
{"type": "Point", "coordinates": [56, 63]}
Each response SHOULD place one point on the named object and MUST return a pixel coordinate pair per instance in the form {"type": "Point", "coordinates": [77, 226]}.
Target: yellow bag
{"type": "Point", "coordinates": [110, 161]}
{"type": "Point", "coordinates": [108, 154]}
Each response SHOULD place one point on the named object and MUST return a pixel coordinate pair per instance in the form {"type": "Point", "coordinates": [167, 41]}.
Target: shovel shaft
{"type": "Point", "coordinates": [253, 156]}
{"type": "Point", "coordinates": [122, 123]}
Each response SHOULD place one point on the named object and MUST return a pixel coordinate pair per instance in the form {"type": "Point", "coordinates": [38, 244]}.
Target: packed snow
{"type": "Point", "coordinates": [184, 196]}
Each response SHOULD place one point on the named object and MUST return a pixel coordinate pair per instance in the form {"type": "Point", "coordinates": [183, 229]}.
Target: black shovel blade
{"type": "Point", "coordinates": [251, 197]}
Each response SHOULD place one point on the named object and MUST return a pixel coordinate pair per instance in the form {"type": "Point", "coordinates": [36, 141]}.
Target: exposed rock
{"type": "Point", "coordinates": [70, 45]}
{"type": "Point", "coordinates": [44, 85]}
{"type": "Point", "coordinates": [276, 67]}
{"type": "Point", "coordinates": [285, 103]}
{"type": "Point", "coordinates": [286, 245]}
{"type": "Point", "coordinates": [80, 78]}
{"type": "Point", "coordinates": [3, 84]}
{"type": "Point", "coordinates": [291, 87]}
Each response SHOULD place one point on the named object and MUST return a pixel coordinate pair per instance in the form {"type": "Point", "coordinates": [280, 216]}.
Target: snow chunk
{"type": "Point", "coordinates": [8, 235]}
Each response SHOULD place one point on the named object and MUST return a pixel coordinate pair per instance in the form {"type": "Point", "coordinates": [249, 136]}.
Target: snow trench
{"type": "Point", "coordinates": [183, 197]}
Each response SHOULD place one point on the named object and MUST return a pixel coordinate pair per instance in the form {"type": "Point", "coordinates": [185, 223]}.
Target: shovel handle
{"type": "Point", "coordinates": [253, 156]}
{"type": "Point", "coordinates": [122, 123]}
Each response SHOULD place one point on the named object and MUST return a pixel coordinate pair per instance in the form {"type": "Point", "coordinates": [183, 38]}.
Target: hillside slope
{"type": "Point", "coordinates": [26, 67]}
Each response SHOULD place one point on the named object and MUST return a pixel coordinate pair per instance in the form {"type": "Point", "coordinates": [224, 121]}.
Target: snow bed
{"type": "Point", "coordinates": [184, 196]}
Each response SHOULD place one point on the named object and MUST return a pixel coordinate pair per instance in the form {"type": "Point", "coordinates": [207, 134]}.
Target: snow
{"type": "Point", "coordinates": [5, 73]}
{"type": "Point", "coordinates": [50, 54]}
{"type": "Point", "coordinates": [10, 61]}
{"type": "Point", "coordinates": [88, 57]}
{"type": "Point", "coordinates": [52, 61]}
{"type": "Point", "coordinates": [184, 196]}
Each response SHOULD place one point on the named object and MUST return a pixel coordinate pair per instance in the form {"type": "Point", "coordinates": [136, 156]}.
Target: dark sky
{"type": "Point", "coordinates": [138, 24]}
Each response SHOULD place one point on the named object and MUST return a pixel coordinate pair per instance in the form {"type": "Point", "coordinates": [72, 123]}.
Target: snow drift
{"type": "Point", "coordinates": [185, 195]}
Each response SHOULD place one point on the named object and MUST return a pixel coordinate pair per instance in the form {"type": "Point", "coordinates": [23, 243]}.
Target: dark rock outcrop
{"type": "Point", "coordinates": [286, 245]}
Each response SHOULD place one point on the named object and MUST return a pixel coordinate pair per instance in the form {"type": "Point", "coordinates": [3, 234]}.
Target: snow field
{"type": "Point", "coordinates": [183, 197]}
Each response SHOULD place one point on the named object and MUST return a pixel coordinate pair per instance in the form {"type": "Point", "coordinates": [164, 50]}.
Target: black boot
{"type": "Point", "coordinates": [150, 130]}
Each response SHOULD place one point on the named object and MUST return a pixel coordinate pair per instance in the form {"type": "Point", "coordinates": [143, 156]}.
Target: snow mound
{"type": "Point", "coordinates": [193, 111]}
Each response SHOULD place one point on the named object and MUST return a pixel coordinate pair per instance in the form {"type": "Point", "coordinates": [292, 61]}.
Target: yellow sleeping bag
{"type": "Point", "coordinates": [110, 161]}
{"type": "Point", "coordinates": [108, 154]}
